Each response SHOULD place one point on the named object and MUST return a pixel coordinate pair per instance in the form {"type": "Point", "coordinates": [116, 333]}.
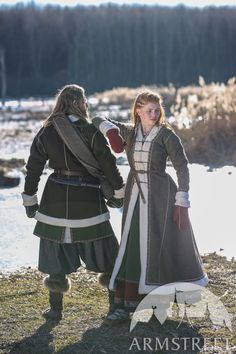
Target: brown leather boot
{"type": "Point", "coordinates": [56, 306]}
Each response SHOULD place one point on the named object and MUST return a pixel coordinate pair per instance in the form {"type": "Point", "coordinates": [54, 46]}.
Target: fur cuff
{"type": "Point", "coordinates": [104, 279]}
{"type": "Point", "coordinates": [106, 126]}
{"type": "Point", "coordinates": [57, 285]}
{"type": "Point", "coordinates": [119, 193]}
{"type": "Point", "coordinates": [102, 124]}
{"type": "Point", "coordinates": [29, 200]}
{"type": "Point", "coordinates": [182, 199]}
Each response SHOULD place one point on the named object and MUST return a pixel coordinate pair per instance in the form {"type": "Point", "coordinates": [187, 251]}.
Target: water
{"type": "Point", "coordinates": [212, 214]}
{"type": "Point", "coordinates": [18, 247]}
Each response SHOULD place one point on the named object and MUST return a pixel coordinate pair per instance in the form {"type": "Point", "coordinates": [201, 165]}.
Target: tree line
{"type": "Point", "coordinates": [100, 47]}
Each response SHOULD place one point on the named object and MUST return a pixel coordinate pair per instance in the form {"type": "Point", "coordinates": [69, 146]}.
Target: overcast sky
{"type": "Point", "coordinates": [199, 3]}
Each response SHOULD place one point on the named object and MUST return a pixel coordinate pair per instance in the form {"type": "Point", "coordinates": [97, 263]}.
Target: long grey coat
{"type": "Point", "coordinates": [167, 255]}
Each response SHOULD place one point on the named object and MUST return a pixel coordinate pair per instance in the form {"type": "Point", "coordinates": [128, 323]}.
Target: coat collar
{"type": "Point", "coordinates": [73, 118]}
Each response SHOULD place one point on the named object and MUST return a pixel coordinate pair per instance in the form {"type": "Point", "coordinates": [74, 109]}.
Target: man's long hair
{"type": "Point", "coordinates": [70, 100]}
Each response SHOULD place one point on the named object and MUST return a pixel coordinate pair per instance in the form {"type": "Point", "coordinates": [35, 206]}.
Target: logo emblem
{"type": "Point", "coordinates": [192, 301]}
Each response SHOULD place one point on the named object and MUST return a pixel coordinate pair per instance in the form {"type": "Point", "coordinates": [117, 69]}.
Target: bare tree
{"type": "Point", "coordinates": [3, 76]}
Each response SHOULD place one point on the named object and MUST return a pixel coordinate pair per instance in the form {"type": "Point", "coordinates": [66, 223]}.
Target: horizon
{"type": "Point", "coordinates": [170, 3]}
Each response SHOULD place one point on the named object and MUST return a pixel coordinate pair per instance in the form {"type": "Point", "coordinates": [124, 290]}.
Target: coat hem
{"type": "Point", "coordinates": [145, 288]}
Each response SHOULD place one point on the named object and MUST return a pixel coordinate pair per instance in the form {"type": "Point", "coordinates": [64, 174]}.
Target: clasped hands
{"type": "Point", "coordinates": [117, 200]}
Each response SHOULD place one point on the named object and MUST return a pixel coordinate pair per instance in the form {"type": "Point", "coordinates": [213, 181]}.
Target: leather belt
{"type": "Point", "coordinates": [69, 173]}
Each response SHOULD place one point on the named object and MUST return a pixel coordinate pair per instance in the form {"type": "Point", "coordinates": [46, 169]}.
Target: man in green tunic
{"type": "Point", "coordinates": [72, 217]}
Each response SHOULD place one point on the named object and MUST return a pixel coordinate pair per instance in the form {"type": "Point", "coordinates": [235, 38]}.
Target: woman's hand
{"type": "Point", "coordinates": [181, 217]}
{"type": "Point", "coordinates": [115, 140]}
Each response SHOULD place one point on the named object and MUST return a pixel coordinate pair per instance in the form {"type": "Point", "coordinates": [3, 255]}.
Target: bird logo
{"type": "Point", "coordinates": [192, 301]}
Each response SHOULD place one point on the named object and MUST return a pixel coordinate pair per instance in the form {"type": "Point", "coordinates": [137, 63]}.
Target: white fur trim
{"type": "Point", "coordinates": [124, 238]}
{"type": "Point", "coordinates": [72, 223]}
{"type": "Point", "coordinates": [73, 118]}
{"type": "Point", "coordinates": [67, 237]}
{"type": "Point", "coordinates": [119, 193]}
{"type": "Point", "coordinates": [202, 282]}
{"type": "Point", "coordinates": [105, 126]}
{"type": "Point", "coordinates": [182, 199]}
{"type": "Point", "coordinates": [29, 200]}
{"type": "Point", "coordinates": [143, 231]}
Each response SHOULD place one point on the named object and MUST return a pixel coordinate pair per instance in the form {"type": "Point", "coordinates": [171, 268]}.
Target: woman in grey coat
{"type": "Point", "coordinates": [157, 243]}
{"type": "Point", "coordinates": [72, 216]}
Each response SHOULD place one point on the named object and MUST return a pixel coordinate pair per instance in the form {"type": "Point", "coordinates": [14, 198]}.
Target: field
{"type": "Point", "coordinates": [81, 331]}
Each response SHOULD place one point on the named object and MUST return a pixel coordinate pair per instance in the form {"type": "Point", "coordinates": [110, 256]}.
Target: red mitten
{"type": "Point", "coordinates": [115, 140]}
{"type": "Point", "coordinates": [181, 217]}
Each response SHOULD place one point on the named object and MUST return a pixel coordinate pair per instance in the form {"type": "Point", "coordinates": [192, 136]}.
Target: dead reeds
{"type": "Point", "coordinates": [204, 116]}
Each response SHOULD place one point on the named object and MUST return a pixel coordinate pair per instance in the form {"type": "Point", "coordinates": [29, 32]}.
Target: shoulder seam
{"type": "Point", "coordinates": [168, 136]}
{"type": "Point", "coordinates": [39, 141]}
{"type": "Point", "coordinates": [93, 137]}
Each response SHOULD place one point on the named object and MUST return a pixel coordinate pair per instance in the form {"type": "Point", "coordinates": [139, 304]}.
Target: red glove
{"type": "Point", "coordinates": [115, 140]}
{"type": "Point", "coordinates": [181, 217]}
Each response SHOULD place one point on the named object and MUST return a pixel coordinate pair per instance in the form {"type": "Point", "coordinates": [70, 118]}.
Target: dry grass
{"type": "Point", "coordinates": [204, 116]}
{"type": "Point", "coordinates": [24, 331]}
{"type": "Point", "coordinates": [125, 96]}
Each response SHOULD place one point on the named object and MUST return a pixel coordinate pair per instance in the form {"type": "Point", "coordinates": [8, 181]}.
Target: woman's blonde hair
{"type": "Point", "coordinates": [69, 100]}
{"type": "Point", "coordinates": [143, 98]}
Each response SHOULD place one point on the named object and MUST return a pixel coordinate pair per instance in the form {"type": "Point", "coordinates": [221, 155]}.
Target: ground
{"type": "Point", "coordinates": [81, 331]}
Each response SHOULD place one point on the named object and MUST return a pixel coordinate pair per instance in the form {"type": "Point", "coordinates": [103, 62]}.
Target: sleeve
{"type": "Point", "coordinates": [103, 124]}
{"type": "Point", "coordinates": [179, 160]}
{"type": "Point", "coordinates": [106, 160]}
{"type": "Point", "coordinates": [35, 164]}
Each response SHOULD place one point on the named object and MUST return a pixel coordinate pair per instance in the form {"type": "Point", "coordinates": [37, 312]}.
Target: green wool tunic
{"type": "Point", "coordinates": [81, 210]}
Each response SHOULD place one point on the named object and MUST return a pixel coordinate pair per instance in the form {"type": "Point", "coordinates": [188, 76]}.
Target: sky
{"type": "Point", "coordinates": [199, 3]}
